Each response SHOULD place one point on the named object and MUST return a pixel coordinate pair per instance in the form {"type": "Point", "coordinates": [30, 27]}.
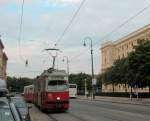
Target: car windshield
{"type": "Point", "coordinates": [5, 114]}
{"type": "Point", "coordinates": [19, 102]}
{"type": "Point", "coordinates": [57, 85]}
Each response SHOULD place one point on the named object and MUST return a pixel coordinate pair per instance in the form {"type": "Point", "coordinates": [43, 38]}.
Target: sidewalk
{"type": "Point", "coordinates": [123, 100]}
{"type": "Point", "coordinates": [37, 115]}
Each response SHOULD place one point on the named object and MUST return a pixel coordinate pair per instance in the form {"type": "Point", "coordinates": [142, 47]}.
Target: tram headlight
{"type": "Point", "coordinates": [58, 98]}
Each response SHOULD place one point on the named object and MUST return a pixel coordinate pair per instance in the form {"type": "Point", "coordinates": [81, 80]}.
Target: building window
{"type": "Point", "coordinates": [119, 56]}
{"type": "Point", "coordinates": [138, 40]}
{"type": "Point", "coordinates": [123, 56]}
{"type": "Point", "coordinates": [127, 46]}
{"type": "Point", "coordinates": [132, 44]}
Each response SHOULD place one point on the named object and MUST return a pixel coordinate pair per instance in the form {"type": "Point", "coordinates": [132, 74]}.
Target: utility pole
{"type": "Point", "coordinates": [67, 63]}
{"type": "Point", "coordinates": [85, 85]}
{"type": "Point", "coordinates": [93, 88]}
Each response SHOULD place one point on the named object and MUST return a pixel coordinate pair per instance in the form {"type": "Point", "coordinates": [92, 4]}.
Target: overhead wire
{"type": "Point", "coordinates": [125, 22]}
{"type": "Point", "coordinates": [70, 23]}
{"type": "Point", "coordinates": [113, 31]}
{"type": "Point", "coordinates": [20, 29]}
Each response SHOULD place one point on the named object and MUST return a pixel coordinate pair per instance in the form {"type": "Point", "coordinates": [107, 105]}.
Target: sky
{"type": "Point", "coordinates": [45, 20]}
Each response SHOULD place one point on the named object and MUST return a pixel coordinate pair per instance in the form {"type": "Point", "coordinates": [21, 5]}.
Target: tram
{"type": "Point", "coordinates": [52, 90]}
{"type": "Point", "coordinates": [29, 93]}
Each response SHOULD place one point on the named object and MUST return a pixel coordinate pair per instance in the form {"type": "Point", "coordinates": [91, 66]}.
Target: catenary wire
{"type": "Point", "coordinates": [20, 29]}
{"type": "Point", "coordinates": [70, 23]}
{"type": "Point", "coordinates": [113, 31]}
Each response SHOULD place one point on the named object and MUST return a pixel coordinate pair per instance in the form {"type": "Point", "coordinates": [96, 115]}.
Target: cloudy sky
{"type": "Point", "coordinates": [45, 20]}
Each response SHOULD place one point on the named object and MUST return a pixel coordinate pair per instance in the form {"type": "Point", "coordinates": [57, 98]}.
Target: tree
{"type": "Point", "coordinates": [17, 84]}
{"type": "Point", "coordinates": [79, 79]}
{"type": "Point", "coordinates": [133, 70]}
{"type": "Point", "coordinates": [139, 61]}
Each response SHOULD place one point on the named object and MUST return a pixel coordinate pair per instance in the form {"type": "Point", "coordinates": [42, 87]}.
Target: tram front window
{"type": "Point", "coordinates": [59, 85]}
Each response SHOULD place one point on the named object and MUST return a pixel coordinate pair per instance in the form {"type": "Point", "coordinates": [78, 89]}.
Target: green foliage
{"type": "Point", "coordinates": [139, 62]}
{"type": "Point", "coordinates": [79, 79]}
{"type": "Point", "coordinates": [17, 84]}
{"type": "Point", "coordinates": [132, 70]}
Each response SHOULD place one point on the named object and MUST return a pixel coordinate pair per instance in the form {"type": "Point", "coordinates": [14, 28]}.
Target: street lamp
{"type": "Point", "coordinates": [89, 38]}
{"type": "Point", "coordinates": [67, 63]}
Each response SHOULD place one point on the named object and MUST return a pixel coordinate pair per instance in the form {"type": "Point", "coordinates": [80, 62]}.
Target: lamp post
{"type": "Point", "coordinates": [67, 63]}
{"type": "Point", "coordinates": [89, 38]}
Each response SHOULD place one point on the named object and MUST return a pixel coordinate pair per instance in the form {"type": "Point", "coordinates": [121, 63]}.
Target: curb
{"type": "Point", "coordinates": [131, 103]}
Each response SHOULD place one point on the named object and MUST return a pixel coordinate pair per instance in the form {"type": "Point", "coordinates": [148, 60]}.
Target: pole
{"type": "Point", "coordinates": [85, 84]}
{"type": "Point", "coordinates": [67, 63]}
{"type": "Point", "coordinates": [67, 66]}
{"type": "Point", "coordinates": [93, 89]}
{"type": "Point", "coordinates": [53, 66]}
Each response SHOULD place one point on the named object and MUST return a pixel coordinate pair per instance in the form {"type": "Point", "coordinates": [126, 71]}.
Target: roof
{"type": "Point", "coordinates": [1, 44]}
{"type": "Point", "coordinates": [5, 56]}
{"type": "Point", "coordinates": [28, 86]}
{"type": "Point", "coordinates": [108, 43]}
{"type": "Point", "coordinates": [133, 34]}
{"type": "Point", "coordinates": [54, 73]}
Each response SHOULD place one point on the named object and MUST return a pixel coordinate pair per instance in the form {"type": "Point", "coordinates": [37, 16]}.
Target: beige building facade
{"type": "Point", "coordinates": [3, 62]}
{"type": "Point", "coordinates": [112, 51]}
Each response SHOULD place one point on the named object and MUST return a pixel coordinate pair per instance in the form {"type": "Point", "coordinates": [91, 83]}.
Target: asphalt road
{"type": "Point", "coordinates": [84, 110]}
{"type": "Point", "coordinates": [107, 111]}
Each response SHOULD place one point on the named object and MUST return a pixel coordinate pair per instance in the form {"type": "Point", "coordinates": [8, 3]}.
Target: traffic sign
{"type": "Point", "coordinates": [94, 81]}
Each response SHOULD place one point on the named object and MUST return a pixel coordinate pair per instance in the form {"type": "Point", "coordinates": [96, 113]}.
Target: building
{"type": "Point", "coordinates": [112, 51]}
{"type": "Point", "coordinates": [3, 62]}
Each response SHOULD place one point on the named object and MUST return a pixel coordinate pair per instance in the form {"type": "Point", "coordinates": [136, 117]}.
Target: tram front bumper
{"type": "Point", "coordinates": [57, 105]}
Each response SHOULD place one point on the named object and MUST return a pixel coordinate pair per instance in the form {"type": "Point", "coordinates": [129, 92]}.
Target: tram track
{"type": "Point", "coordinates": [52, 118]}
{"type": "Point", "coordinates": [77, 117]}
{"type": "Point", "coordinates": [68, 116]}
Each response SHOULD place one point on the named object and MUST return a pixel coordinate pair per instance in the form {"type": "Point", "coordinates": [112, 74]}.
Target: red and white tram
{"type": "Point", "coordinates": [52, 90]}
{"type": "Point", "coordinates": [29, 93]}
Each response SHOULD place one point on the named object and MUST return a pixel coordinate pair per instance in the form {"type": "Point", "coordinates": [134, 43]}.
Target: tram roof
{"type": "Point", "coordinates": [54, 72]}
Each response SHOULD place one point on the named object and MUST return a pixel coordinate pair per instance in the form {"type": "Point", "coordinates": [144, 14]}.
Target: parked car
{"type": "Point", "coordinates": [3, 90]}
{"type": "Point", "coordinates": [23, 107]}
{"type": "Point", "coordinates": [8, 111]}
